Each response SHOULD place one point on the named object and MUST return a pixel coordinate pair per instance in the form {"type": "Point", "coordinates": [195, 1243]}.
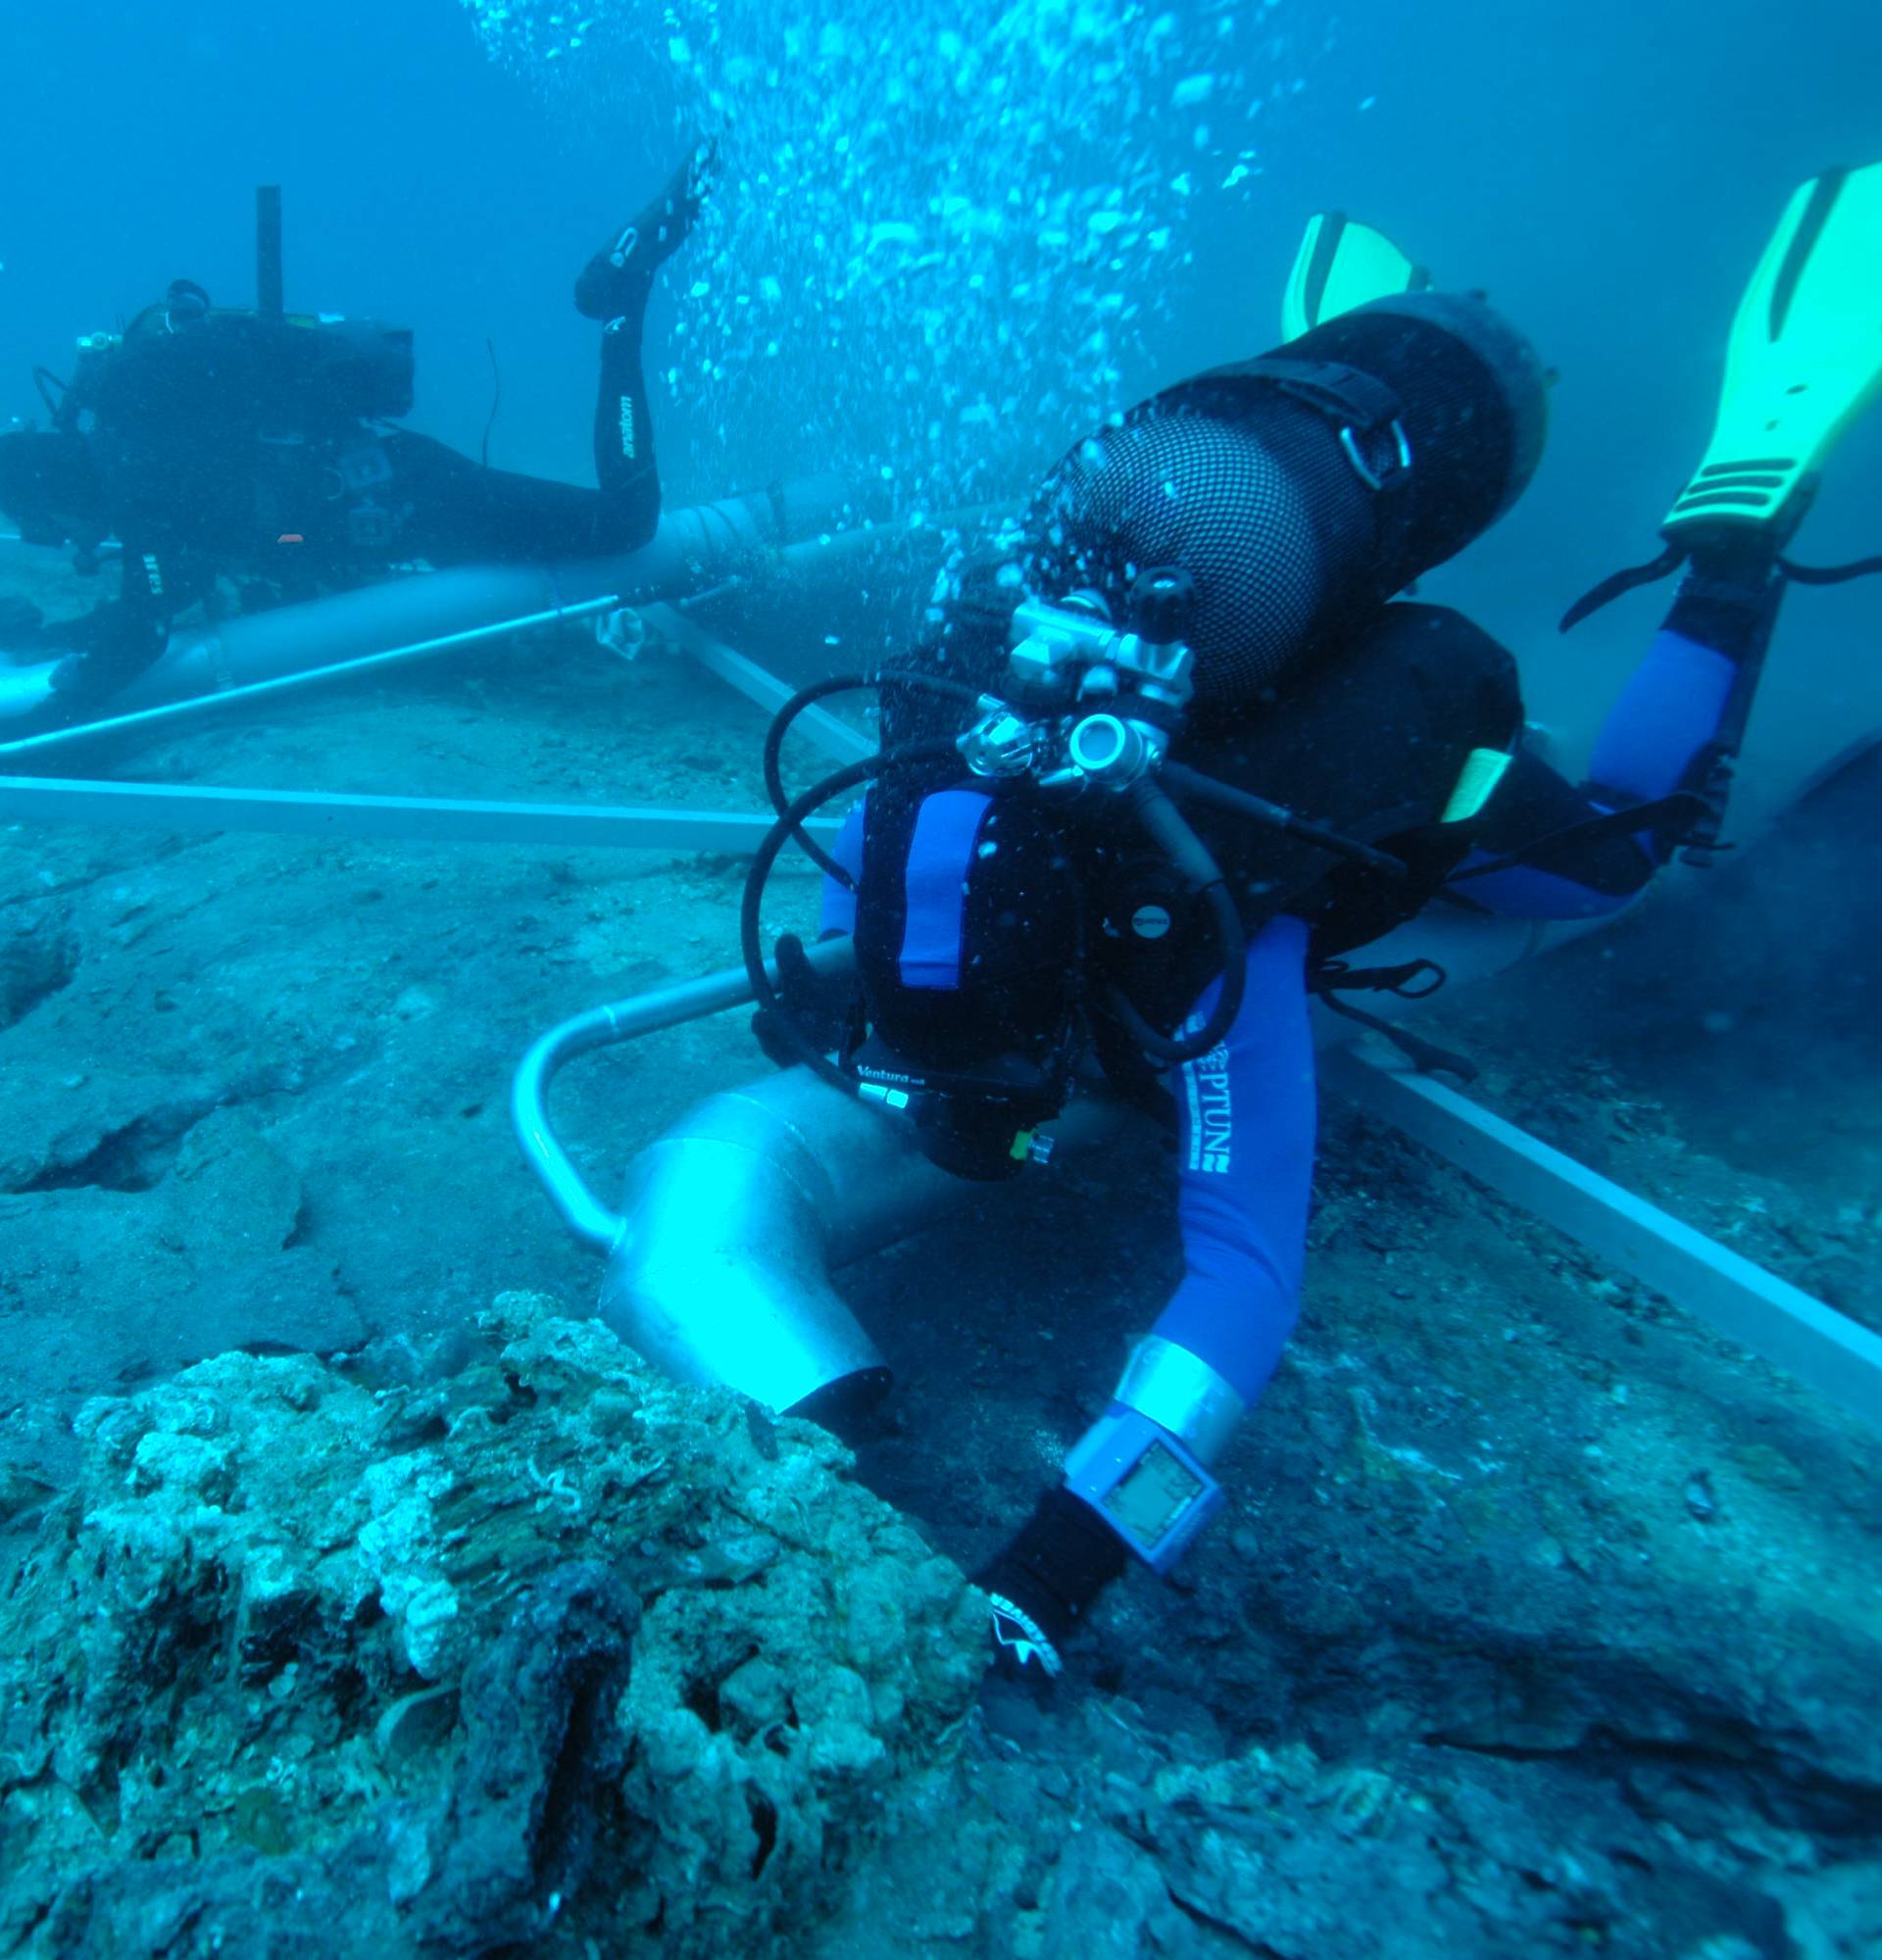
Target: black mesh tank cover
{"type": "Point", "coordinates": [1251, 492]}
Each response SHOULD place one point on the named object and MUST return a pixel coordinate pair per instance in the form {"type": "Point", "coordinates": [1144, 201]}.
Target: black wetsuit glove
{"type": "Point", "coordinates": [1045, 1581]}
{"type": "Point", "coordinates": [816, 1006]}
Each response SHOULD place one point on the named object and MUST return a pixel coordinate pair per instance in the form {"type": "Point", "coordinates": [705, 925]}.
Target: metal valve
{"type": "Point", "coordinates": [1110, 751]}
{"type": "Point", "coordinates": [1001, 743]}
{"type": "Point", "coordinates": [1105, 701]}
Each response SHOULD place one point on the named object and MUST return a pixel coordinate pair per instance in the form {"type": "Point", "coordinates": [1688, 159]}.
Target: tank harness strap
{"type": "Point", "coordinates": [1366, 414]}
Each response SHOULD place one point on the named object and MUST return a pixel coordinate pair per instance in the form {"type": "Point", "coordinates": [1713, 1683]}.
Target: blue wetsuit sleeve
{"type": "Point", "coordinates": [1654, 741]}
{"type": "Point", "coordinates": [1668, 715]}
{"type": "Point", "coordinates": [1246, 1117]}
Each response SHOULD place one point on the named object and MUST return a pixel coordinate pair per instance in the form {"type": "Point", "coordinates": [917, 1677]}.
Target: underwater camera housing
{"type": "Point", "coordinates": [260, 367]}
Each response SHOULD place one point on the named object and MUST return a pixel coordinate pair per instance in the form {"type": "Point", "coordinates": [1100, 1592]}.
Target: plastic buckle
{"type": "Point", "coordinates": [370, 526]}
{"type": "Point", "coordinates": [360, 470]}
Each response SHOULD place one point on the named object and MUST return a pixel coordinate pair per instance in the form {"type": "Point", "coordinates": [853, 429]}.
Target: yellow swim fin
{"type": "Point", "coordinates": [1804, 360]}
{"type": "Point", "coordinates": [1341, 265]}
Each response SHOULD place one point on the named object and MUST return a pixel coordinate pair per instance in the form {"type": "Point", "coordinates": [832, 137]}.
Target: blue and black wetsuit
{"type": "Point", "coordinates": [1372, 741]}
{"type": "Point", "coordinates": [1247, 1111]}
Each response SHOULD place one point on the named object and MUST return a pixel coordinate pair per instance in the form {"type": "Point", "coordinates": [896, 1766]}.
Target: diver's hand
{"type": "Point", "coordinates": [23, 690]}
{"type": "Point", "coordinates": [815, 1006]}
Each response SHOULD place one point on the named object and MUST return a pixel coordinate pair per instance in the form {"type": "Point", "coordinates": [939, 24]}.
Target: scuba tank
{"type": "Point", "coordinates": [1183, 569]}
{"type": "Point", "coordinates": [1300, 490]}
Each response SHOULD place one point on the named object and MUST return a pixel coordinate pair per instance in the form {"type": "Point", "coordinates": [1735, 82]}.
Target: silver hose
{"type": "Point", "coordinates": [605, 1027]}
{"type": "Point", "coordinates": [718, 1261]}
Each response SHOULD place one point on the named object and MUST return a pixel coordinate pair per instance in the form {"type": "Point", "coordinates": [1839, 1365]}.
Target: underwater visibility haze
{"type": "Point", "coordinates": [939, 979]}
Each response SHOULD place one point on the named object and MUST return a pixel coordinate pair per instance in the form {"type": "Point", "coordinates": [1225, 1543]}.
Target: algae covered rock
{"type": "Point", "coordinates": [547, 1652]}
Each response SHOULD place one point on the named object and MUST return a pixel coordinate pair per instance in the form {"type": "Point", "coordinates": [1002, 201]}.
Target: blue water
{"type": "Point", "coordinates": [1608, 170]}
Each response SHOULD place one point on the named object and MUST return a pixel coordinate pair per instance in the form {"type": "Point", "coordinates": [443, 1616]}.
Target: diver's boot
{"type": "Point", "coordinates": [1046, 1581]}
{"type": "Point", "coordinates": [617, 279]}
{"type": "Point", "coordinates": [1803, 360]}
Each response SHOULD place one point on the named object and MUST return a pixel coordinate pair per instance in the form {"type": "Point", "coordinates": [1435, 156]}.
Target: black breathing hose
{"type": "Point", "coordinates": [1183, 781]}
{"type": "Point", "coordinates": [1168, 829]}
{"type": "Point", "coordinates": [805, 697]}
{"type": "Point", "coordinates": [808, 697]}
{"type": "Point", "coordinates": [790, 824]}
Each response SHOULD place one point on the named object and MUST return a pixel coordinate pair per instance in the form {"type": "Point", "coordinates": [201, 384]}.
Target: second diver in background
{"type": "Point", "coordinates": [234, 443]}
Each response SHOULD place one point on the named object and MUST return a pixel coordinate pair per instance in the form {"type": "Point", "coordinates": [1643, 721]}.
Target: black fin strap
{"type": "Point", "coordinates": [1684, 807]}
{"type": "Point", "coordinates": [1611, 588]}
{"type": "Point", "coordinates": [1422, 1054]}
{"type": "Point", "coordinates": [1412, 980]}
{"type": "Point", "coordinates": [1829, 574]}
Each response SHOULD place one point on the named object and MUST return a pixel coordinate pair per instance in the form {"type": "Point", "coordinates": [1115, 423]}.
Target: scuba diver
{"type": "Point", "coordinates": [254, 443]}
{"type": "Point", "coordinates": [1149, 780]}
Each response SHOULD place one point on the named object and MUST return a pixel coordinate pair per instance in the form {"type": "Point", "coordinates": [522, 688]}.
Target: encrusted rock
{"type": "Point", "coordinates": [547, 1652]}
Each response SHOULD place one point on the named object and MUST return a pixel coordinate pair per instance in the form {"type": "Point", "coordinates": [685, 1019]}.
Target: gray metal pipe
{"type": "Point", "coordinates": [739, 1213]}
{"type": "Point", "coordinates": [213, 668]}
{"type": "Point", "coordinates": [605, 1027]}
{"type": "Point", "coordinates": [693, 548]}
{"type": "Point", "coordinates": [718, 1260]}
{"type": "Point", "coordinates": [732, 1221]}
{"type": "Point", "coordinates": [737, 1217]}
{"type": "Point", "coordinates": [164, 712]}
